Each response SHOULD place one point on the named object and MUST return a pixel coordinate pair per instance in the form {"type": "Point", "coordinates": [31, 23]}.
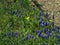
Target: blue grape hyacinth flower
{"type": "Point", "coordinates": [53, 17]}
{"type": "Point", "coordinates": [47, 15]}
{"type": "Point", "coordinates": [17, 14]}
{"type": "Point", "coordinates": [38, 31]}
{"type": "Point", "coordinates": [15, 34]}
{"type": "Point", "coordinates": [54, 29]}
{"type": "Point", "coordinates": [10, 34]}
{"type": "Point", "coordinates": [46, 23]}
{"type": "Point", "coordinates": [46, 36]}
{"type": "Point", "coordinates": [48, 33]}
{"type": "Point", "coordinates": [38, 34]}
{"type": "Point", "coordinates": [45, 30]}
{"type": "Point", "coordinates": [40, 13]}
{"type": "Point", "coordinates": [43, 36]}
{"type": "Point", "coordinates": [4, 34]}
{"type": "Point", "coordinates": [42, 24]}
{"type": "Point", "coordinates": [11, 12]}
{"type": "Point", "coordinates": [39, 22]}
{"type": "Point", "coordinates": [26, 37]}
{"type": "Point", "coordinates": [52, 23]}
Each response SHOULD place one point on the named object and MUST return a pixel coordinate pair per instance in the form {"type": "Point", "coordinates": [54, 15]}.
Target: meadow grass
{"type": "Point", "coordinates": [18, 23]}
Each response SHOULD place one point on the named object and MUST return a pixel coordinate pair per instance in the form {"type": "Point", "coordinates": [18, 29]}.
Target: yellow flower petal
{"type": "Point", "coordinates": [27, 18]}
{"type": "Point", "coordinates": [50, 20]}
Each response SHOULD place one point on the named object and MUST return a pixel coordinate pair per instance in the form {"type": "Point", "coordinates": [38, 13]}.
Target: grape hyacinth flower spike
{"type": "Point", "coordinates": [53, 17]}
{"type": "Point", "coordinates": [46, 23]}
{"type": "Point", "coordinates": [4, 34]}
{"type": "Point", "coordinates": [40, 13]}
{"type": "Point", "coordinates": [53, 23]}
{"type": "Point", "coordinates": [47, 15]}
{"type": "Point", "coordinates": [10, 34]}
{"type": "Point", "coordinates": [15, 34]}
{"type": "Point", "coordinates": [39, 22]}
{"type": "Point", "coordinates": [12, 12]}
{"type": "Point", "coordinates": [26, 37]}
{"type": "Point", "coordinates": [54, 29]}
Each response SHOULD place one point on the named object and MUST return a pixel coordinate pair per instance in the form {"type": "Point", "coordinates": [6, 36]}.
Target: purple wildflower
{"type": "Point", "coordinates": [12, 12]}
{"type": "Point", "coordinates": [38, 31]}
{"type": "Point", "coordinates": [40, 13]}
{"type": "Point", "coordinates": [39, 22]}
{"type": "Point", "coordinates": [54, 29]}
{"type": "Point", "coordinates": [52, 23]}
{"type": "Point", "coordinates": [47, 15]}
{"type": "Point", "coordinates": [45, 30]}
{"type": "Point", "coordinates": [26, 37]}
{"type": "Point", "coordinates": [42, 24]}
{"type": "Point", "coordinates": [4, 34]}
{"type": "Point", "coordinates": [15, 34]}
{"type": "Point", "coordinates": [46, 23]}
{"type": "Point", "coordinates": [53, 17]}
{"type": "Point", "coordinates": [38, 34]}
{"type": "Point", "coordinates": [10, 34]}
{"type": "Point", "coordinates": [47, 35]}
{"type": "Point", "coordinates": [17, 14]}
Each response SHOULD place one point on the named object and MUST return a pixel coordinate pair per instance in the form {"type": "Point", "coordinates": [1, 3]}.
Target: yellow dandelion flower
{"type": "Point", "coordinates": [51, 20]}
{"type": "Point", "coordinates": [27, 18]}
